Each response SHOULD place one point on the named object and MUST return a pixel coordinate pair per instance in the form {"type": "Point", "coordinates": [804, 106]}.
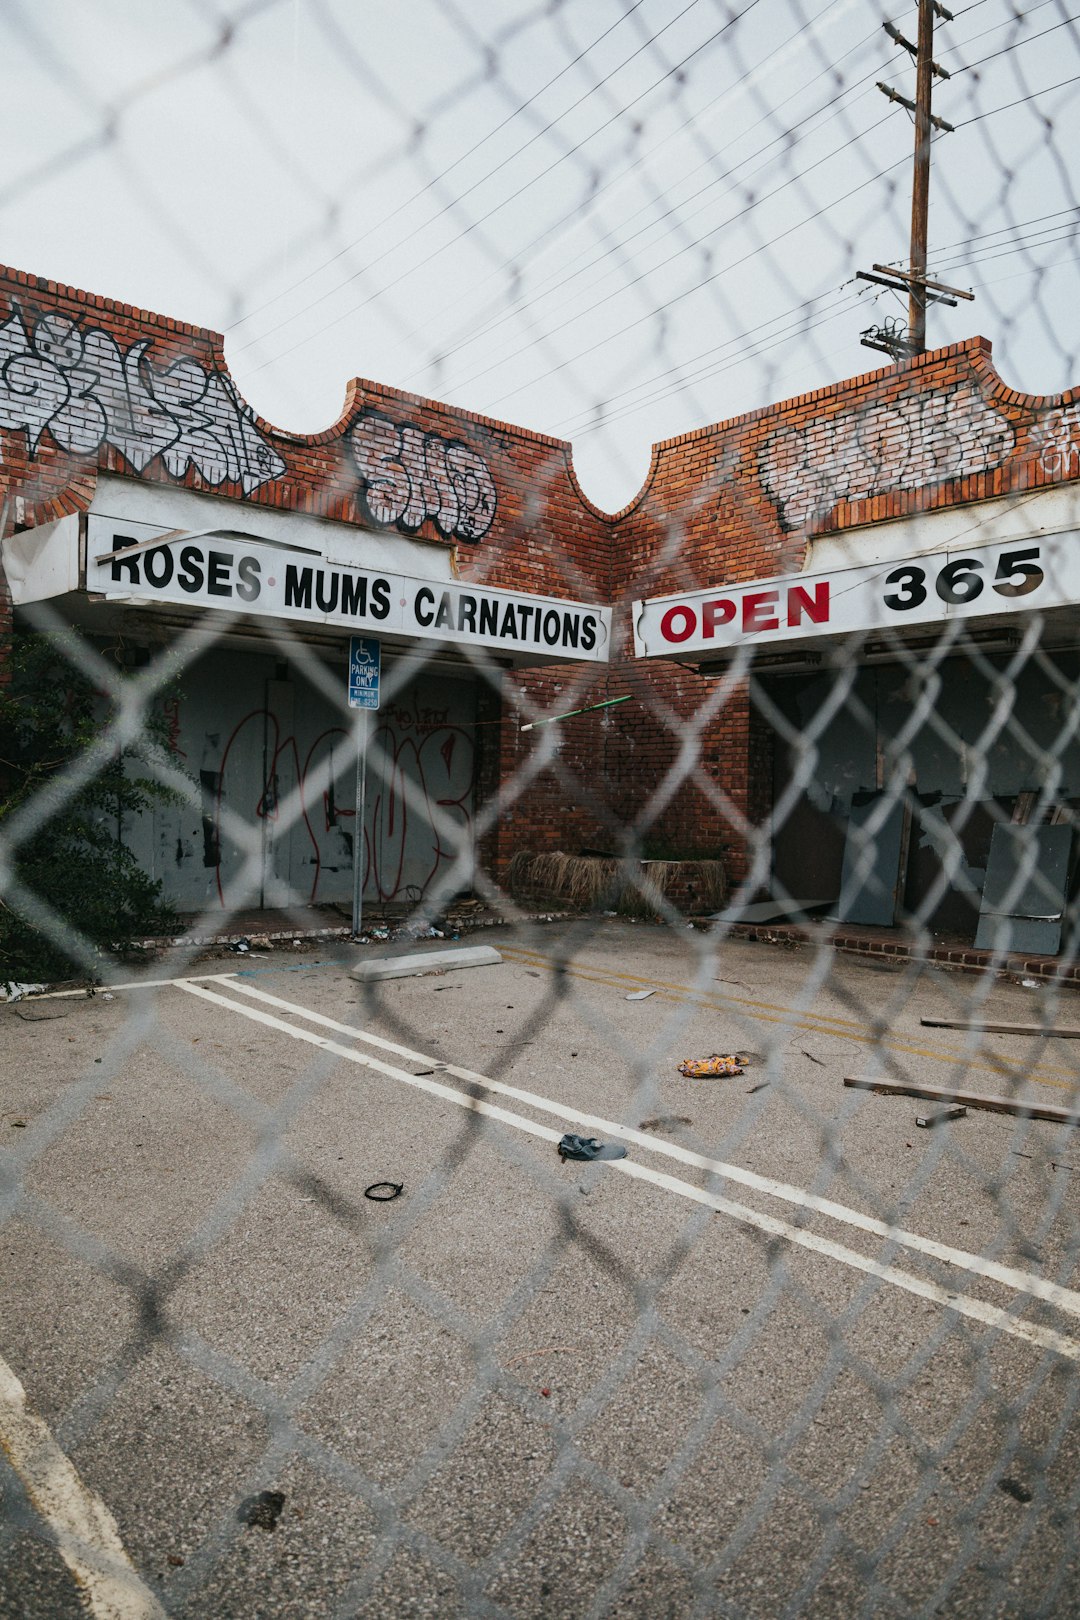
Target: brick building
{"type": "Point", "coordinates": [143, 500]}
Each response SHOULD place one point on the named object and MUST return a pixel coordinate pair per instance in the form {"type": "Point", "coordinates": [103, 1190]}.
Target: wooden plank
{"type": "Point", "coordinates": [968, 1099]}
{"type": "Point", "coordinates": [1064, 1033]}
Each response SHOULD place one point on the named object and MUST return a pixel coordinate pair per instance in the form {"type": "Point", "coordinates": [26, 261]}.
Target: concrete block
{"type": "Point", "coordinates": [403, 967]}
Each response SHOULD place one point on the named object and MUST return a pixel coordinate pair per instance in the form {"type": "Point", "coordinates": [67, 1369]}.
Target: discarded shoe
{"type": "Point", "coordinates": [587, 1147]}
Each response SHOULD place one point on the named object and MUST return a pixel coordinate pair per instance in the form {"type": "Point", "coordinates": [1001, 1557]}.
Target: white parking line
{"type": "Point", "coordinates": [1065, 1299]}
{"type": "Point", "coordinates": [85, 1530]}
{"type": "Point", "coordinates": [962, 1304]}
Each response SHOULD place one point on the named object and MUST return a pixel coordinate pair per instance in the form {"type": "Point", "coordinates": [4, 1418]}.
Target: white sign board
{"type": "Point", "coordinates": [220, 570]}
{"type": "Point", "coordinates": [921, 589]}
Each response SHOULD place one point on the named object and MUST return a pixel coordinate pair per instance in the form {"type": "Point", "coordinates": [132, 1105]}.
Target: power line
{"type": "Point", "coordinates": [435, 179]}
{"type": "Point", "coordinates": [993, 111]}
{"type": "Point", "coordinates": [472, 332]}
{"type": "Point", "coordinates": [497, 207]}
{"type": "Point", "coordinates": [1029, 39]}
{"type": "Point", "coordinates": [750, 352]}
{"type": "Point", "coordinates": [643, 275]}
{"type": "Point", "coordinates": [492, 324]}
{"type": "Point", "coordinates": [948, 50]}
{"type": "Point", "coordinates": [705, 281]}
{"type": "Point", "coordinates": [557, 283]}
{"type": "Point", "coordinates": [748, 348]}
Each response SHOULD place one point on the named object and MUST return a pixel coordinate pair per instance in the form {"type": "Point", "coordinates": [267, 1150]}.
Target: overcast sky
{"type": "Point", "coordinates": [612, 220]}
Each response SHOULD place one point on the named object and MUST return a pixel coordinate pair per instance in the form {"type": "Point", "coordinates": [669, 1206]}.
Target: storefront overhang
{"type": "Point", "coordinates": [884, 589]}
{"type": "Point", "coordinates": [180, 557]}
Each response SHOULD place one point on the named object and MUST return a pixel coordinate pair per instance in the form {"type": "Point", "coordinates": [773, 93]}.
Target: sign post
{"type": "Point", "coordinates": [365, 669]}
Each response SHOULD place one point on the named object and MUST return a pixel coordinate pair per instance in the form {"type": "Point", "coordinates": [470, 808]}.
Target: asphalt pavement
{"type": "Point", "coordinates": [792, 1355]}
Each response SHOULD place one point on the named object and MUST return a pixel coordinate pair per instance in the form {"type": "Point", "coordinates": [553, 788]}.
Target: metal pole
{"type": "Point", "coordinates": [920, 184]}
{"type": "Point", "coordinates": [358, 824]}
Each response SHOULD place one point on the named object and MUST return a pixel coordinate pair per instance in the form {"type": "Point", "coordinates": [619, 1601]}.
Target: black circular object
{"type": "Point", "coordinates": [381, 1192]}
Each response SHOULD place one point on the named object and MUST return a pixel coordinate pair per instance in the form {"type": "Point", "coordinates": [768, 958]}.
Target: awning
{"type": "Point", "coordinates": [164, 548]}
{"type": "Point", "coordinates": [789, 616]}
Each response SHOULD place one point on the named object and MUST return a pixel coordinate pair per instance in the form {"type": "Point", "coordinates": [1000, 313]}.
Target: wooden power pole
{"type": "Point", "coordinates": [913, 282]}
{"type": "Point", "coordinates": [920, 180]}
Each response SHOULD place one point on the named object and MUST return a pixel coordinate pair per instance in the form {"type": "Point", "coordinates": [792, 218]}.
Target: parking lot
{"type": "Point", "coordinates": [792, 1355]}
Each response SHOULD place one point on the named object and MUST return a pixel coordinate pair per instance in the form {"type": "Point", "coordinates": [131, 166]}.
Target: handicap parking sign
{"type": "Point", "coordinates": [365, 663]}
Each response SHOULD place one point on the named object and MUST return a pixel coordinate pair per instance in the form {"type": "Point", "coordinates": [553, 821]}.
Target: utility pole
{"type": "Point", "coordinates": [891, 338]}
{"type": "Point", "coordinates": [920, 180]}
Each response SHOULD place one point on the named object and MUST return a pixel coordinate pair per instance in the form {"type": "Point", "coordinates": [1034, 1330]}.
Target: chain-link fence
{"type": "Point", "coordinates": [706, 1244]}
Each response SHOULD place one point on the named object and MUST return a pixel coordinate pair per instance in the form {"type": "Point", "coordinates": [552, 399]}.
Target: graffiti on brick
{"type": "Point", "coordinates": [908, 443]}
{"type": "Point", "coordinates": [407, 475]}
{"type": "Point", "coordinates": [80, 387]}
{"type": "Point", "coordinates": [1055, 440]}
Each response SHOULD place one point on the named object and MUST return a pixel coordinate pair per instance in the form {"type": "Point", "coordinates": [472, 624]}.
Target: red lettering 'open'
{"type": "Point", "coordinates": [687, 619]}
{"type": "Point", "coordinates": [755, 611]}
{"type": "Point", "coordinates": [816, 608]}
{"type": "Point", "coordinates": [721, 610]}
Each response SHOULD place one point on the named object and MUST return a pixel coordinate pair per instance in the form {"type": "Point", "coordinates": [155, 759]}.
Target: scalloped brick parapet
{"type": "Point", "coordinates": [746, 495]}
{"type": "Point", "coordinates": [88, 385]}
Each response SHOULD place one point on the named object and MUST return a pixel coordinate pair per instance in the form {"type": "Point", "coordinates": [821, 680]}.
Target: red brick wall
{"type": "Point", "coordinates": [735, 501]}
{"type": "Point", "coordinates": [741, 500]}
{"type": "Point", "coordinates": [66, 354]}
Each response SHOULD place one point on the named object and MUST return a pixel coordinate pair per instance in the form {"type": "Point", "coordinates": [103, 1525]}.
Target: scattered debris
{"type": "Point", "coordinates": [926, 1122]}
{"type": "Point", "coordinates": [1032, 1109]}
{"type": "Point", "coordinates": [544, 1390]}
{"type": "Point", "coordinates": [439, 987]}
{"type": "Point", "coordinates": [1030, 984]}
{"type": "Point", "coordinates": [381, 1192]}
{"type": "Point", "coordinates": [261, 1512]}
{"type": "Point", "coordinates": [639, 995]}
{"type": "Point", "coordinates": [665, 1122]}
{"type": "Point", "coordinates": [240, 947]}
{"type": "Point", "coordinates": [41, 1014]}
{"type": "Point", "coordinates": [709, 1067]}
{"type": "Point", "coordinates": [15, 992]}
{"type": "Point", "coordinates": [1068, 1033]}
{"type": "Point", "coordinates": [1013, 1488]}
{"type": "Point", "coordinates": [759, 1087]}
{"type": "Point", "coordinates": [18, 1124]}
{"type": "Point", "coordinates": [819, 1061]}
{"type": "Point", "coordinates": [175, 1560]}
{"type": "Point", "coordinates": [400, 967]}
{"type": "Point", "coordinates": [588, 1147]}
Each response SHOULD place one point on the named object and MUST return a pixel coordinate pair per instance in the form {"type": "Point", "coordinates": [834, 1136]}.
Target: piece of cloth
{"type": "Point", "coordinates": [708, 1067]}
{"type": "Point", "coordinates": [587, 1147]}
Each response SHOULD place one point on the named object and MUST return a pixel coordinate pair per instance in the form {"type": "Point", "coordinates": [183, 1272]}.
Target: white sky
{"type": "Point", "coordinates": [609, 220]}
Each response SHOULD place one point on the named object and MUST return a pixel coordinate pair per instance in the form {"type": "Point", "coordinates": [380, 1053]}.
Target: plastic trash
{"type": "Point", "coordinates": [588, 1147]}
{"type": "Point", "coordinates": [707, 1068]}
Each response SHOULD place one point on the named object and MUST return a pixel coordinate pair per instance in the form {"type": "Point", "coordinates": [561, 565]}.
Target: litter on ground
{"type": "Point", "coordinates": [588, 1147]}
{"type": "Point", "coordinates": [399, 967]}
{"type": "Point", "coordinates": [707, 1068]}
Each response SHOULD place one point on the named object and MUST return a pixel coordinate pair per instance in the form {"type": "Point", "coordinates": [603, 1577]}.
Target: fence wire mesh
{"type": "Point", "coordinates": [803, 1350]}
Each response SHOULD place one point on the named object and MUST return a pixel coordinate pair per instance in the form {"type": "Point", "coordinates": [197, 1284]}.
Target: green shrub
{"type": "Point", "coordinates": [69, 856]}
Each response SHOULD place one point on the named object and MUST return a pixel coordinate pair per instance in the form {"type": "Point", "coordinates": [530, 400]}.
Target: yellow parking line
{"type": "Point", "coordinates": [769, 1013]}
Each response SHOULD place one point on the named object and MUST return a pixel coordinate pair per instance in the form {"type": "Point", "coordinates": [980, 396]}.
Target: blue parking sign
{"type": "Point", "coordinates": [365, 664]}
